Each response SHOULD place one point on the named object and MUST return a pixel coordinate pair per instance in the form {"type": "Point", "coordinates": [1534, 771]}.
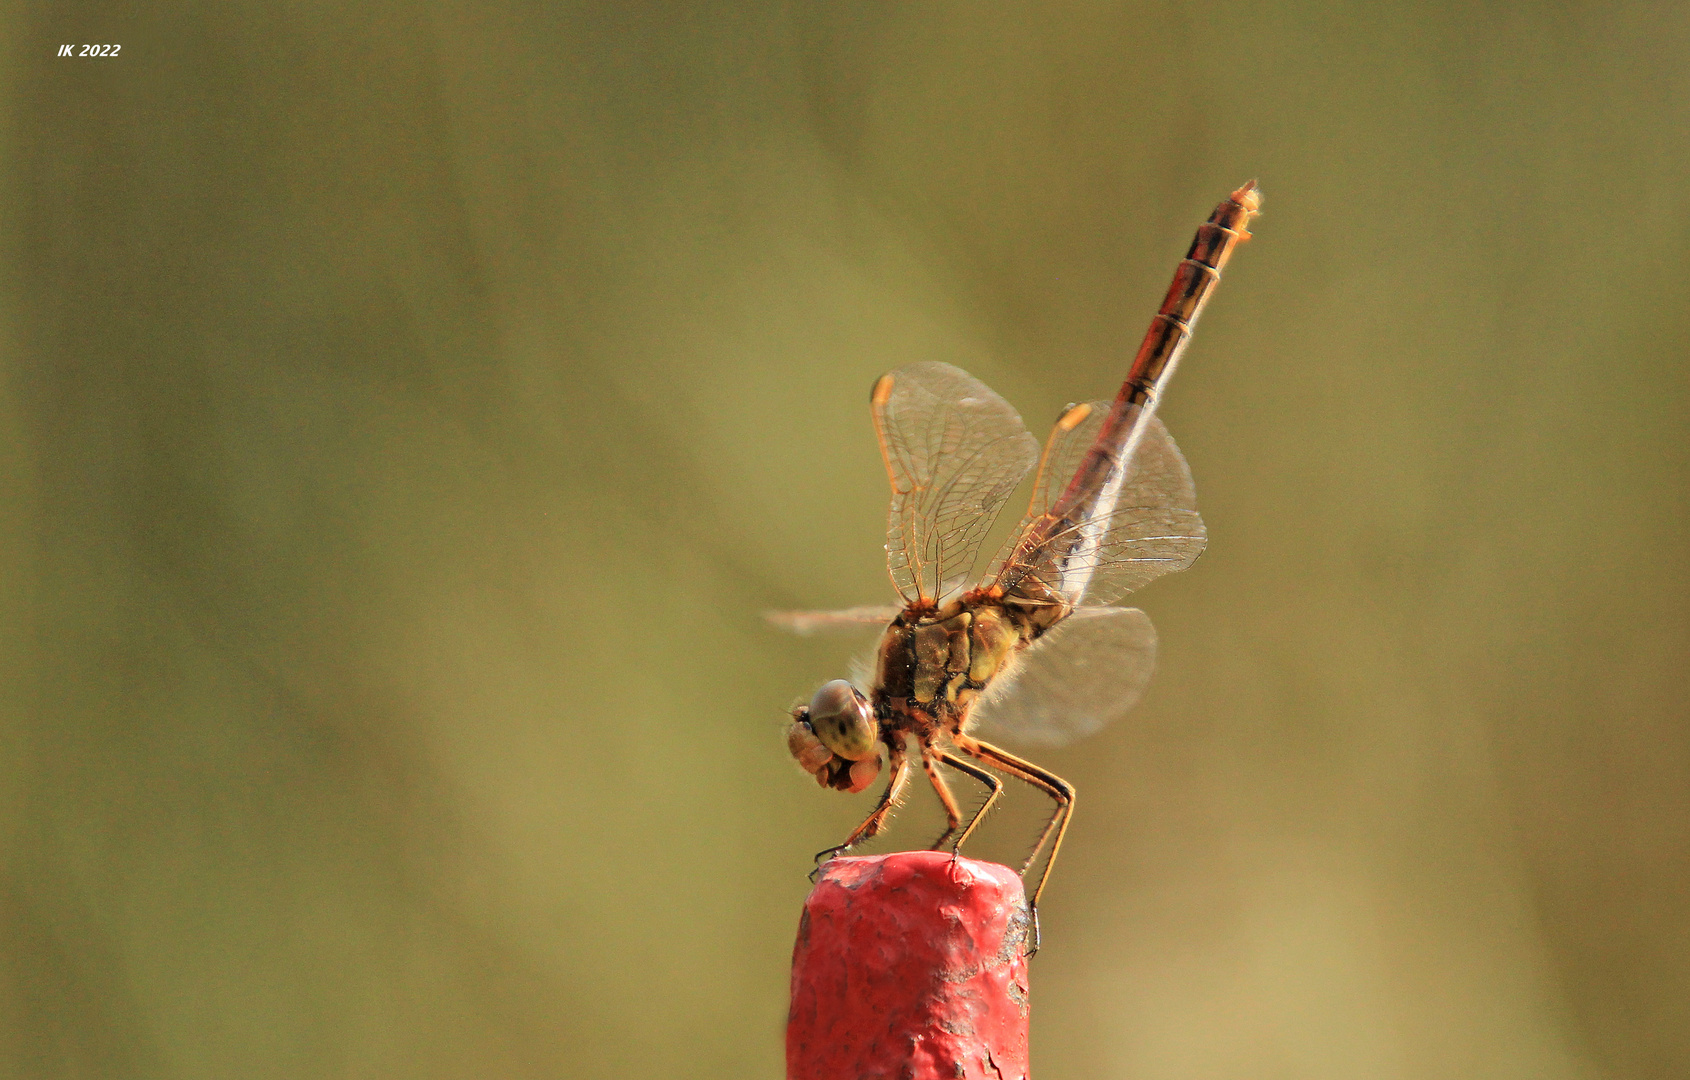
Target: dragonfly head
{"type": "Point", "coordinates": [834, 737]}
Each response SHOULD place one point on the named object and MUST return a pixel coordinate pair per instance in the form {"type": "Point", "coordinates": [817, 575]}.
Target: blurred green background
{"type": "Point", "coordinates": [408, 410]}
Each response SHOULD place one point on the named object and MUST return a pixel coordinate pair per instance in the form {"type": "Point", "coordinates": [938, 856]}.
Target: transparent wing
{"type": "Point", "coordinates": [954, 451]}
{"type": "Point", "coordinates": [805, 623]}
{"type": "Point", "coordinates": [861, 621]}
{"type": "Point", "coordinates": [1088, 670]}
{"type": "Point", "coordinates": [1149, 529]}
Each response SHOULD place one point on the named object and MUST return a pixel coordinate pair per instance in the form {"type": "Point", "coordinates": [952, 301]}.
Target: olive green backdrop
{"type": "Point", "coordinates": [408, 410]}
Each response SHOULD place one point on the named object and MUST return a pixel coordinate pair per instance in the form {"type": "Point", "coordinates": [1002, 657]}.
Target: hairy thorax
{"type": "Point", "coordinates": [933, 666]}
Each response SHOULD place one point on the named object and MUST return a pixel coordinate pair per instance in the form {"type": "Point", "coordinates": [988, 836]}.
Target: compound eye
{"type": "Point", "coordinates": [843, 720]}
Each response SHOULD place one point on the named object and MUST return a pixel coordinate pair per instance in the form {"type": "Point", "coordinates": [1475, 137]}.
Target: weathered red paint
{"type": "Point", "coordinates": [910, 967]}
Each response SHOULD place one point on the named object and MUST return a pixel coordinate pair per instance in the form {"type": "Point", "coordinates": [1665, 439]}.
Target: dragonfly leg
{"type": "Point", "coordinates": [994, 785]}
{"type": "Point", "coordinates": [1060, 790]}
{"type": "Point", "coordinates": [876, 819]}
{"type": "Point", "coordinates": [953, 814]}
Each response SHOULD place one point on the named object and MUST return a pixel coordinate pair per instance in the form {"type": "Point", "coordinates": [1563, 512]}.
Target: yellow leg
{"type": "Point", "coordinates": [953, 815]}
{"type": "Point", "coordinates": [994, 785]}
{"type": "Point", "coordinates": [876, 820]}
{"type": "Point", "coordinates": [1057, 788]}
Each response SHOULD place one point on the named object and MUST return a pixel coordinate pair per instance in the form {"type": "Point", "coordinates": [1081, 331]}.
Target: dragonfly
{"type": "Point", "coordinates": [1037, 648]}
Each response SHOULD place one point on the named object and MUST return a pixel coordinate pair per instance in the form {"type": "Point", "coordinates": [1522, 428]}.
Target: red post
{"type": "Point", "coordinates": [910, 967]}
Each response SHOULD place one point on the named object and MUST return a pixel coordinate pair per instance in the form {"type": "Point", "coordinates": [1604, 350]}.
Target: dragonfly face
{"type": "Point", "coordinates": [1036, 648]}
{"type": "Point", "coordinates": [836, 737]}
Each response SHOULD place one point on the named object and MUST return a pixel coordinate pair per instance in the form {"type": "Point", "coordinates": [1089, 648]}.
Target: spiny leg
{"type": "Point", "coordinates": [1060, 790]}
{"type": "Point", "coordinates": [876, 819]}
{"type": "Point", "coordinates": [993, 783]}
{"type": "Point", "coordinates": [953, 815]}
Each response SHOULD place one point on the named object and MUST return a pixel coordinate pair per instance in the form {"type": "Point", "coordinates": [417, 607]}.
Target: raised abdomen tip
{"type": "Point", "coordinates": [1249, 197]}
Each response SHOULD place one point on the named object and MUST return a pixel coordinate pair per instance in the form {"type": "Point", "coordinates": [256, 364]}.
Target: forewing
{"type": "Point", "coordinates": [1151, 528]}
{"type": "Point", "coordinates": [806, 623]}
{"type": "Point", "coordinates": [954, 451]}
{"type": "Point", "coordinates": [1088, 670]}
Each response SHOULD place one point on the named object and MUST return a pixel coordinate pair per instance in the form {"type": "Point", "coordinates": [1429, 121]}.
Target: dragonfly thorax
{"type": "Point", "coordinates": [939, 665]}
